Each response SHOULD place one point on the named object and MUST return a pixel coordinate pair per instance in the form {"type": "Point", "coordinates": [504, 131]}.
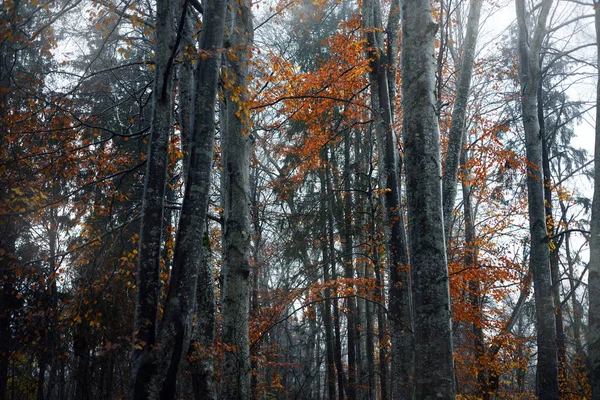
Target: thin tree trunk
{"type": "Point", "coordinates": [237, 233]}
{"type": "Point", "coordinates": [256, 270]}
{"type": "Point", "coordinates": [329, 344]}
{"type": "Point", "coordinates": [341, 379]}
{"type": "Point", "coordinates": [554, 248]}
{"type": "Point", "coordinates": [434, 367]}
{"type": "Point", "coordinates": [529, 56]}
{"type": "Point", "coordinates": [459, 111]}
{"type": "Point", "coordinates": [185, 88]}
{"type": "Point", "coordinates": [474, 284]}
{"type": "Point", "coordinates": [349, 271]}
{"type": "Point", "coordinates": [381, 320]}
{"type": "Point", "coordinates": [327, 317]}
{"type": "Point", "coordinates": [594, 264]}
{"type": "Point", "coordinates": [7, 302]}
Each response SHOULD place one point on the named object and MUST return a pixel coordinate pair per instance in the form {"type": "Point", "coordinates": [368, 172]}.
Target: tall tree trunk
{"type": "Point", "coordinates": [400, 283]}
{"type": "Point", "coordinates": [326, 313]}
{"type": "Point", "coordinates": [529, 71]}
{"type": "Point", "coordinates": [434, 367]}
{"type": "Point", "coordinates": [349, 270]}
{"type": "Point", "coordinates": [381, 320]}
{"type": "Point", "coordinates": [341, 379]}
{"type": "Point", "coordinates": [474, 284]}
{"type": "Point", "coordinates": [148, 269]}
{"type": "Point", "coordinates": [255, 273]}
{"type": "Point", "coordinates": [157, 375]}
{"type": "Point", "coordinates": [594, 274]}
{"type": "Point", "coordinates": [366, 309]}
{"type": "Point", "coordinates": [459, 111]}
{"type": "Point", "coordinates": [554, 247]}
{"type": "Point", "coordinates": [237, 234]}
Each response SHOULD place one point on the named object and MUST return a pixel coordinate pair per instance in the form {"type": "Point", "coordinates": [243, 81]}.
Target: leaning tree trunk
{"type": "Point", "coordinates": [594, 277]}
{"type": "Point", "coordinates": [459, 111]}
{"type": "Point", "coordinates": [434, 367]}
{"type": "Point", "coordinates": [237, 233]}
{"type": "Point", "coordinates": [529, 71]}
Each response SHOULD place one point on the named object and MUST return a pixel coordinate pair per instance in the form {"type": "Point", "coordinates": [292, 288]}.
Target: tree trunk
{"type": "Point", "coordinates": [7, 301]}
{"type": "Point", "coordinates": [474, 284]}
{"type": "Point", "coordinates": [237, 233]}
{"type": "Point", "coordinates": [341, 379]}
{"type": "Point", "coordinates": [554, 247]}
{"type": "Point", "coordinates": [185, 88]}
{"type": "Point", "coordinates": [594, 274]}
{"type": "Point", "coordinates": [529, 71]}
{"type": "Point", "coordinates": [148, 270]}
{"type": "Point", "coordinates": [349, 271]}
{"type": "Point", "coordinates": [434, 368]}
{"type": "Point", "coordinates": [157, 374]}
{"type": "Point", "coordinates": [202, 367]}
{"type": "Point", "coordinates": [400, 301]}
{"type": "Point", "coordinates": [457, 124]}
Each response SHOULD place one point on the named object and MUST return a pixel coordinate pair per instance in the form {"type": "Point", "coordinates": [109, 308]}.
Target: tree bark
{"type": "Point", "coordinates": [529, 71]}
{"type": "Point", "coordinates": [400, 283]}
{"type": "Point", "coordinates": [457, 124]}
{"type": "Point", "coordinates": [474, 284]}
{"type": "Point", "coordinates": [341, 379]}
{"type": "Point", "coordinates": [594, 274]}
{"type": "Point", "coordinates": [202, 365]}
{"type": "Point", "coordinates": [349, 271]}
{"type": "Point", "coordinates": [148, 269]}
{"type": "Point", "coordinates": [434, 367]}
{"type": "Point", "coordinates": [237, 233]}
{"type": "Point", "coordinates": [157, 374]}
{"type": "Point", "coordinates": [554, 247]}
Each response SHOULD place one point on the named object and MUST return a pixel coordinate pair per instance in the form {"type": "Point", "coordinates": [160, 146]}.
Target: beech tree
{"type": "Point", "coordinates": [529, 72]}
{"type": "Point", "coordinates": [434, 366]}
{"type": "Point", "coordinates": [237, 232]}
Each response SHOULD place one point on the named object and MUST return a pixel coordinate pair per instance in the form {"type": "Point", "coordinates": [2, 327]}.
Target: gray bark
{"type": "Point", "coordinates": [237, 233]}
{"type": "Point", "coordinates": [349, 271]}
{"type": "Point", "coordinates": [457, 124]}
{"type": "Point", "coordinates": [148, 269]}
{"type": "Point", "coordinates": [202, 364]}
{"type": "Point", "coordinates": [529, 71]}
{"type": "Point", "coordinates": [157, 373]}
{"type": "Point", "coordinates": [434, 366]}
{"type": "Point", "coordinates": [561, 350]}
{"type": "Point", "coordinates": [185, 88]}
{"type": "Point", "coordinates": [381, 101]}
{"type": "Point", "coordinates": [328, 319]}
{"type": "Point", "coordinates": [594, 266]}
{"type": "Point", "coordinates": [341, 379]}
